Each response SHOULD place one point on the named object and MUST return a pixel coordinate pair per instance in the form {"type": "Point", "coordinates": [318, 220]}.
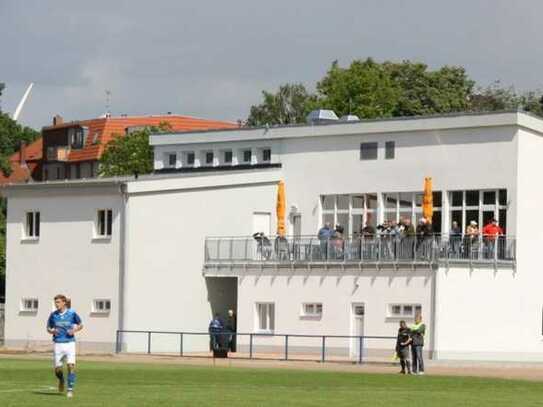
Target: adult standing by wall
{"type": "Point", "coordinates": [231, 327]}
{"type": "Point", "coordinates": [418, 330]}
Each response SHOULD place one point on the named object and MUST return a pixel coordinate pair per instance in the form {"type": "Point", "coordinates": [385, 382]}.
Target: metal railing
{"type": "Point", "coordinates": [354, 347]}
{"type": "Point", "coordinates": [364, 249]}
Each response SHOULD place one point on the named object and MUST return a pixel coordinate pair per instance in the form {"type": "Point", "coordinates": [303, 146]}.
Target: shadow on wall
{"type": "Point", "coordinates": [222, 295]}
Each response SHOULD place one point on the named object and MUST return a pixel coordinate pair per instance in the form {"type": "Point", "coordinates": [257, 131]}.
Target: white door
{"type": "Point", "coordinates": [261, 224]}
{"type": "Point", "coordinates": [357, 329]}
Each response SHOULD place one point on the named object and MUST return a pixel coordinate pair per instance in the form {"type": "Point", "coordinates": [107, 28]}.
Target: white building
{"type": "Point", "coordinates": [157, 253]}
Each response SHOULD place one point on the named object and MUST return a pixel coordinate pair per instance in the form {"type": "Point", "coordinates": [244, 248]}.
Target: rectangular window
{"type": "Point", "coordinates": [29, 305]}
{"type": "Point", "coordinates": [266, 155]}
{"type": "Point", "coordinates": [172, 159]}
{"type": "Point", "coordinates": [368, 151]}
{"type": "Point", "coordinates": [190, 157]}
{"type": "Point", "coordinates": [101, 306]}
{"type": "Point", "coordinates": [209, 158]}
{"type": "Point", "coordinates": [265, 315]}
{"type": "Point", "coordinates": [228, 157]}
{"type": "Point", "coordinates": [247, 156]}
{"type": "Point", "coordinates": [390, 147]}
{"type": "Point", "coordinates": [32, 227]}
{"type": "Point", "coordinates": [407, 311]}
{"type": "Point", "coordinates": [104, 223]}
{"type": "Point", "coordinates": [312, 309]}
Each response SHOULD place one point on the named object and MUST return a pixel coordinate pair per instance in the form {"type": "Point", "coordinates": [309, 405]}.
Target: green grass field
{"type": "Point", "coordinates": [29, 383]}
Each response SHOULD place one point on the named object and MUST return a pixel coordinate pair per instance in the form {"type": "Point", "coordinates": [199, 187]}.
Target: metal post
{"type": "Point", "coordinates": [231, 250]}
{"type": "Point", "coordinates": [360, 349]}
{"type": "Point", "coordinates": [286, 347]}
{"type": "Point", "coordinates": [181, 344]}
{"type": "Point", "coordinates": [250, 346]}
{"type": "Point", "coordinates": [323, 352]}
{"type": "Point", "coordinates": [149, 342]}
{"type": "Point", "coordinates": [246, 251]}
{"type": "Point", "coordinates": [117, 347]}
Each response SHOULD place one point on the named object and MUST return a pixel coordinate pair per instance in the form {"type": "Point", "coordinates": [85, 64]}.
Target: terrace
{"type": "Point", "coordinates": [358, 252]}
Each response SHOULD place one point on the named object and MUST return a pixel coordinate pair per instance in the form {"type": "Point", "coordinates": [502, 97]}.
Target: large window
{"type": "Point", "coordinates": [404, 205]}
{"type": "Point", "coordinates": [32, 226]}
{"type": "Point", "coordinates": [352, 212]}
{"type": "Point", "coordinates": [479, 206]}
{"type": "Point", "coordinates": [265, 317]}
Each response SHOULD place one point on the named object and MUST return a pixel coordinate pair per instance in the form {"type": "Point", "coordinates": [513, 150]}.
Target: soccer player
{"type": "Point", "coordinates": [63, 324]}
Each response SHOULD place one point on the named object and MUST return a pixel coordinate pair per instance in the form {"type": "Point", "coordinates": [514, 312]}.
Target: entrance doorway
{"type": "Point", "coordinates": [358, 310]}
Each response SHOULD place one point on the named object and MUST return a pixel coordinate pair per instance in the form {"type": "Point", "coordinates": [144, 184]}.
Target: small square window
{"type": "Point", "coordinates": [368, 151]}
{"type": "Point", "coordinates": [228, 157]}
{"type": "Point", "coordinates": [29, 305]}
{"type": "Point", "coordinates": [456, 198]}
{"type": "Point", "coordinates": [209, 158]}
{"type": "Point", "coordinates": [312, 310]}
{"type": "Point", "coordinates": [101, 306]}
{"type": "Point", "coordinates": [104, 223]}
{"type": "Point", "coordinates": [266, 155]}
{"type": "Point", "coordinates": [390, 147]}
{"type": "Point", "coordinates": [247, 156]}
{"type": "Point", "coordinates": [396, 310]}
{"type": "Point", "coordinates": [172, 159]}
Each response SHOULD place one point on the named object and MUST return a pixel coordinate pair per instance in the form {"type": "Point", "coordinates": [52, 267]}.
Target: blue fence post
{"type": "Point", "coordinates": [323, 353]}
{"type": "Point", "coordinates": [360, 349]}
{"type": "Point", "coordinates": [250, 346]}
{"type": "Point", "coordinates": [181, 344]}
{"type": "Point", "coordinates": [149, 342]}
{"type": "Point", "coordinates": [286, 347]}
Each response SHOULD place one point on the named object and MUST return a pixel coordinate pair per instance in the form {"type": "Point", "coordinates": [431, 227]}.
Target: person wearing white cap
{"type": "Point", "coordinates": [472, 237]}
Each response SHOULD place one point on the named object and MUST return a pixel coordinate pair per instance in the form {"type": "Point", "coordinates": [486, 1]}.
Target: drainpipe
{"type": "Point", "coordinates": [433, 306]}
{"type": "Point", "coordinates": [122, 258]}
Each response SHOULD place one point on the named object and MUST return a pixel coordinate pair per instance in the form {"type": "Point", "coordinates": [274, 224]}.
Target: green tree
{"type": "Point", "coordinates": [365, 89]}
{"type": "Point", "coordinates": [424, 92]}
{"type": "Point", "coordinates": [131, 154]}
{"type": "Point", "coordinates": [495, 97]}
{"type": "Point", "coordinates": [289, 105]}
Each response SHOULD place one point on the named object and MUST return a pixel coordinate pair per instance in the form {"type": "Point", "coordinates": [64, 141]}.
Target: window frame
{"type": "Point", "coordinates": [481, 207]}
{"type": "Point", "coordinates": [32, 229]}
{"type": "Point", "coordinates": [169, 156]}
{"type": "Point", "coordinates": [246, 150]}
{"type": "Point", "coordinates": [107, 227]}
{"type": "Point", "coordinates": [105, 310]}
{"type": "Point", "coordinates": [314, 313]}
{"type": "Point", "coordinates": [266, 151]}
{"type": "Point", "coordinates": [390, 150]}
{"type": "Point", "coordinates": [231, 156]}
{"type": "Point", "coordinates": [416, 308]}
{"type": "Point", "coordinates": [374, 148]}
{"type": "Point", "coordinates": [35, 302]}
{"type": "Point", "coordinates": [270, 317]}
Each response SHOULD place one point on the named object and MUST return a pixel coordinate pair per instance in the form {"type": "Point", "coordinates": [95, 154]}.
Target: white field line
{"type": "Point", "coordinates": [28, 389]}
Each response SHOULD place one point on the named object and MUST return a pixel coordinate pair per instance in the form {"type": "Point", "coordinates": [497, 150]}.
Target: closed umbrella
{"type": "Point", "coordinates": [428, 200]}
{"type": "Point", "coordinates": [281, 209]}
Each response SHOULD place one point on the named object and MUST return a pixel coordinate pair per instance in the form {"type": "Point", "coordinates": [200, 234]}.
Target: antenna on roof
{"type": "Point", "coordinates": [108, 103]}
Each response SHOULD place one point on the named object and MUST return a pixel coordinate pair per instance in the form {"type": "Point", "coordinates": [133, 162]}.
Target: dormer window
{"type": "Point", "coordinates": [76, 136]}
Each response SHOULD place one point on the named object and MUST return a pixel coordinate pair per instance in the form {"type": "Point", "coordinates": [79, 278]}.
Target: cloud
{"type": "Point", "coordinates": [212, 59]}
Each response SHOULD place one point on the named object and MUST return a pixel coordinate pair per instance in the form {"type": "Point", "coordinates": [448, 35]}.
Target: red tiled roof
{"type": "Point", "coordinates": [103, 130]}
{"type": "Point", "coordinates": [21, 173]}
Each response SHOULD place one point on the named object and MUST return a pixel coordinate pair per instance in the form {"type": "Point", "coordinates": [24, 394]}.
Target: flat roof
{"type": "Point", "coordinates": [367, 126]}
{"type": "Point", "coordinates": [194, 179]}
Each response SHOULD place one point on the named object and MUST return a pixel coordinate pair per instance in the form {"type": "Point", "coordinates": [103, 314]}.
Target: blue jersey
{"type": "Point", "coordinates": [63, 322]}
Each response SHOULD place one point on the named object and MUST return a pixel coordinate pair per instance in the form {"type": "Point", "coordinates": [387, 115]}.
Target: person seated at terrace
{"type": "Point", "coordinates": [264, 246]}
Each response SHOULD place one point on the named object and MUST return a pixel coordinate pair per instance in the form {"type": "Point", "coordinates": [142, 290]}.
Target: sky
{"type": "Point", "coordinates": [212, 59]}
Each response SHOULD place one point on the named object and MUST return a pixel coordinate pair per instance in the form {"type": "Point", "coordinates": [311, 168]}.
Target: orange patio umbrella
{"type": "Point", "coordinates": [428, 200]}
{"type": "Point", "coordinates": [281, 209]}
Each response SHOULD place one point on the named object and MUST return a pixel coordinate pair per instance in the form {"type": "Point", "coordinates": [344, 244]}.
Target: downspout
{"type": "Point", "coordinates": [433, 306]}
{"type": "Point", "coordinates": [122, 263]}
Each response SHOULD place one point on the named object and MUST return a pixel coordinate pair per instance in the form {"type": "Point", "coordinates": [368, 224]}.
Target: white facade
{"type": "Point", "coordinates": [156, 252]}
